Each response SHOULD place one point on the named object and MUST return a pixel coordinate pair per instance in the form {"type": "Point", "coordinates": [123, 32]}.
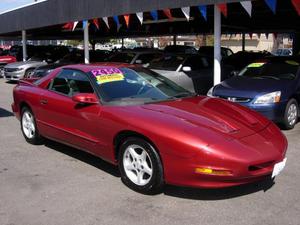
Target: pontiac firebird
{"type": "Point", "coordinates": [155, 131]}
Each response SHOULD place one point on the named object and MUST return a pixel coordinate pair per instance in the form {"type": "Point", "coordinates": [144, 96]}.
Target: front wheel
{"type": "Point", "coordinates": [140, 166]}
{"type": "Point", "coordinates": [291, 114]}
{"type": "Point", "coordinates": [29, 128]}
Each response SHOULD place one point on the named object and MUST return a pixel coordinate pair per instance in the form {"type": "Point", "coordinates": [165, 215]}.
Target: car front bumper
{"type": "Point", "coordinates": [16, 75]}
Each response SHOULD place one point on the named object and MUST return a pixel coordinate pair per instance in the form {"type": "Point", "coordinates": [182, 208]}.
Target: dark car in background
{"type": "Point", "coordinates": [209, 51]}
{"type": "Point", "coordinates": [180, 49]}
{"type": "Point", "coordinates": [43, 71]}
{"type": "Point", "coordinates": [193, 72]}
{"type": "Point", "coordinates": [270, 86]}
{"type": "Point", "coordinates": [241, 59]}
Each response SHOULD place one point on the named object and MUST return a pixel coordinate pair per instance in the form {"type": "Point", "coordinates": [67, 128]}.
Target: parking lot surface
{"type": "Point", "coordinates": [53, 184]}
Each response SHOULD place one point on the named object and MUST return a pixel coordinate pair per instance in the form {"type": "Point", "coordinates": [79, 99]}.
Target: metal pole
{"type": "Point", "coordinates": [217, 45]}
{"type": "Point", "coordinates": [122, 43]}
{"type": "Point", "coordinates": [24, 42]}
{"type": "Point", "coordinates": [243, 42]}
{"type": "Point", "coordinates": [174, 40]}
{"type": "Point", "coordinates": [86, 45]}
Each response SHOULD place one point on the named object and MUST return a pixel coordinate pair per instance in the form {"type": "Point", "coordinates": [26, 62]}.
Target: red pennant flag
{"type": "Point", "coordinates": [96, 23]}
{"type": "Point", "coordinates": [296, 4]}
{"type": "Point", "coordinates": [223, 8]}
{"type": "Point", "coordinates": [127, 18]}
{"type": "Point", "coordinates": [68, 26]}
{"type": "Point", "coordinates": [168, 13]}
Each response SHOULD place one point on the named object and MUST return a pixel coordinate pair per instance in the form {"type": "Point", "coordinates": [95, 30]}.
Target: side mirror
{"type": "Point", "coordinates": [186, 69]}
{"type": "Point", "coordinates": [85, 99]}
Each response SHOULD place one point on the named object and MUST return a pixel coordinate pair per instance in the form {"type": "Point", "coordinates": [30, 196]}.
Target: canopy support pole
{"type": "Point", "coordinates": [24, 45]}
{"type": "Point", "coordinates": [86, 45]}
{"type": "Point", "coordinates": [243, 42]}
{"type": "Point", "coordinates": [174, 40]}
{"type": "Point", "coordinates": [217, 45]}
{"type": "Point", "coordinates": [296, 43]}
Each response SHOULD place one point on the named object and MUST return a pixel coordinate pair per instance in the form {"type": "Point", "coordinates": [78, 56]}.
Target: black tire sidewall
{"type": "Point", "coordinates": [36, 138]}
{"type": "Point", "coordinates": [285, 119]}
{"type": "Point", "coordinates": [156, 183]}
{"type": "Point", "coordinates": [26, 75]}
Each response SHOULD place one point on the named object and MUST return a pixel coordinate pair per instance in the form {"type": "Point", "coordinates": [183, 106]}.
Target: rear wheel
{"type": "Point", "coordinates": [140, 166]}
{"type": "Point", "coordinates": [291, 114]}
{"type": "Point", "coordinates": [29, 128]}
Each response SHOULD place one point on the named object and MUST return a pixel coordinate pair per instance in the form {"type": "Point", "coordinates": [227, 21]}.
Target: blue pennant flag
{"type": "Point", "coordinates": [84, 23]}
{"type": "Point", "coordinates": [154, 14]}
{"type": "Point", "coordinates": [203, 11]}
{"type": "Point", "coordinates": [272, 5]}
{"type": "Point", "coordinates": [116, 19]}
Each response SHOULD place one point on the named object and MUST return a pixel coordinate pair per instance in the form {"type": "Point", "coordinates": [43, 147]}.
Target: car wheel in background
{"type": "Point", "coordinates": [140, 166]}
{"type": "Point", "coordinates": [28, 73]}
{"type": "Point", "coordinates": [29, 128]}
{"type": "Point", "coordinates": [291, 114]}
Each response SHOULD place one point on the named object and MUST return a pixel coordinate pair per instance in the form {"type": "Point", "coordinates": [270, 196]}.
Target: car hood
{"type": "Point", "coordinates": [214, 115]}
{"type": "Point", "coordinates": [21, 64]}
{"type": "Point", "coordinates": [250, 87]}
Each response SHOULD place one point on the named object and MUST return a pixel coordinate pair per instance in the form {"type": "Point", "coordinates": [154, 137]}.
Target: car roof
{"type": "Point", "coordinates": [278, 59]}
{"type": "Point", "coordinates": [89, 67]}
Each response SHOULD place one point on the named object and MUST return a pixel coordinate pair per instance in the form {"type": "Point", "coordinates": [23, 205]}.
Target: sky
{"type": "Point", "coordinates": [11, 4]}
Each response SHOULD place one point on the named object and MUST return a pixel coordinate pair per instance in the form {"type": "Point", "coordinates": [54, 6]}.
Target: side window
{"type": "Point", "coordinates": [71, 82]}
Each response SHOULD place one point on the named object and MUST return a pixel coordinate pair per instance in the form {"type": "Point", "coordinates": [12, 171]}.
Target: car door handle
{"type": "Point", "coordinates": [44, 102]}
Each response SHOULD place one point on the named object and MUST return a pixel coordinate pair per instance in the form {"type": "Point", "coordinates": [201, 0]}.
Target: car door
{"type": "Point", "coordinates": [63, 119]}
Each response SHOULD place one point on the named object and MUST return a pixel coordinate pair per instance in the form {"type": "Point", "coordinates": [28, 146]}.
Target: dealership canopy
{"type": "Point", "coordinates": [56, 19]}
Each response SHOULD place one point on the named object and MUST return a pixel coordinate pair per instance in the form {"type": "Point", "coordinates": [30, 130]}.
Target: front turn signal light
{"type": "Point", "coordinates": [210, 171]}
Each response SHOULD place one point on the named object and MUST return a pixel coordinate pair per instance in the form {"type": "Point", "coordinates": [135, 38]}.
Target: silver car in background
{"type": "Point", "coordinates": [19, 70]}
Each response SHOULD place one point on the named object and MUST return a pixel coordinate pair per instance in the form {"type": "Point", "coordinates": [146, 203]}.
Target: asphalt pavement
{"type": "Point", "coordinates": [53, 184]}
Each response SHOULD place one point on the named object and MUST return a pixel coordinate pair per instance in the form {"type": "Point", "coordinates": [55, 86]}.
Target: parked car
{"type": "Point", "coordinates": [77, 56]}
{"type": "Point", "coordinates": [154, 130]}
{"type": "Point", "coordinates": [270, 86]}
{"type": "Point", "coordinates": [18, 70]}
{"type": "Point", "coordinates": [284, 52]}
{"type": "Point", "coordinates": [180, 49]}
{"type": "Point", "coordinates": [209, 51]}
{"type": "Point", "coordinates": [138, 56]}
{"type": "Point", "coordinates": [193, 72]}
{"type": "Point", "coordinates": [4, 60]}
{"type": "Point", "coordinates": [241, 59]}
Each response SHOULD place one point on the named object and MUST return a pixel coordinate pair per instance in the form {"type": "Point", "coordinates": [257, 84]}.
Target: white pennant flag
{"type": "Point", "coordinates": [105, 19]}
{"type": "Point", "coordinates": [186, 12]}
{"type": "Point", "coordinates": [74, 25]}
{"type": "Point", "coordinates": [247, 6]}
{"type": "Point", "coordinates": [140, 17]}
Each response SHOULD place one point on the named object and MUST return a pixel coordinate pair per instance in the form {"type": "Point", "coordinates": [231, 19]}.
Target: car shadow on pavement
{"type": "Point", "coordinates": [218, 194]}
{"type": "Point", "coordinates": [84, 157]}
{"type": "Point", "coordinates": [5, 113]}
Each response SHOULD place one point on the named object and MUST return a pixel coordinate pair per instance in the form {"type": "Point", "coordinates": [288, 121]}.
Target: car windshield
{"type": "Point", "coordinates": [135, 86]}
{"type": "Point", "coordinates": [283, 70]}
{"type": "Point", "coordinates": [167, 62]}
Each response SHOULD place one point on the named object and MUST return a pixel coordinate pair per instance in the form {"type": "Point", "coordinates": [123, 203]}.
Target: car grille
{"type": "Point", "coordinates": [10, 70]}
{"type": "Point", "coordinates": [236, 99]}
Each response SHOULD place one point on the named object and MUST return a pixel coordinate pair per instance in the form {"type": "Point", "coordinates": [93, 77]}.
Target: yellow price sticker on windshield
{"type": "Point", "coordinates": [109, 78]}
{"type": "Point", "coordinates": [256, 65]}
{"type": "Point", "coordinates": [293, 63]}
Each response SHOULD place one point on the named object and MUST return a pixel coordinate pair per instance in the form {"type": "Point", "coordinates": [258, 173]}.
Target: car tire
{"type": "Point", "coordinates": [28, 73]}
{"type": "Point", "coordinates": [291, 114]}
{"type": "Point", "coordinates": [140, 166]}
{"type": "Point", "coordinates": [29, 128]}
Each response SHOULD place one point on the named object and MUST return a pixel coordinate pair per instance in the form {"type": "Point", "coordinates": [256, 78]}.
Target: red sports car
{"type": "Point", "coordinates": [154, 130]}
